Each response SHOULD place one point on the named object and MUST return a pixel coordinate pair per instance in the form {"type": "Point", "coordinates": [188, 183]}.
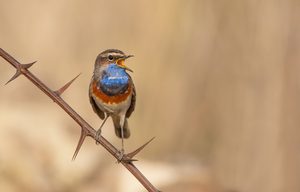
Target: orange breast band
{"type": "Point", "coordinates": [111, 99]}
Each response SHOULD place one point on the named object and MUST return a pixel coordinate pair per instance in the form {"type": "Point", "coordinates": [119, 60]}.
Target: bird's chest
{"type": "Point", "coordinates": [112, 91]}
{"type": "Point", "coordinates": [113, 81]}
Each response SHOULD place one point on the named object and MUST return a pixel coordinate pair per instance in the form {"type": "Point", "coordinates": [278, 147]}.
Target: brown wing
{"type": "Point", "coordinates": [95, 107]}
{"type": "Point", "coordinates": [132, 104]}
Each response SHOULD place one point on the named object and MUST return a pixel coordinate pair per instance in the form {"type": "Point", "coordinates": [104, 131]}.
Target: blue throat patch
{"type": "Point", "coordinates": [114, 80]}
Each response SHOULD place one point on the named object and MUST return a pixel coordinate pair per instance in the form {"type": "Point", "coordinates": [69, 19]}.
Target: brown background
{"type": "Point", "coordinates": [217, 82]}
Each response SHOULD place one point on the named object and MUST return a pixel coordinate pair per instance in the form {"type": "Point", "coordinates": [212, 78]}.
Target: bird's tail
{"type": "Point", "coordinates": [118, 123]}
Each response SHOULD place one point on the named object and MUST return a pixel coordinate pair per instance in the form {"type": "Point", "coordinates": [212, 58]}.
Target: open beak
{"type": "Point", "coordinates": [121, 62]}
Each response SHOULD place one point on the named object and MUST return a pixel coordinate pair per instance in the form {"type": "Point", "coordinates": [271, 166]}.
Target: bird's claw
{"type": "Point", "coordinates": [98, 135]}
{"type": "Point", "coordinates": [122, 157]}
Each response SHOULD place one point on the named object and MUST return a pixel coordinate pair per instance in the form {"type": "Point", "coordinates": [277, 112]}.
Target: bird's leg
{"type": "Point", "coordinates": [122, 150]}
{"type": "Point", "coordinates": [98, 133]}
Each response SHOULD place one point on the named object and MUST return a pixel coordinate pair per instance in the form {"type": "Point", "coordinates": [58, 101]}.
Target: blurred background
{"type": "Point", "coordinates": [217, 85]}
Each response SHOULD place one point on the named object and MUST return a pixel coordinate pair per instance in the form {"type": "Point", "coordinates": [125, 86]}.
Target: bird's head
{"type": "Point", "coordinates": [110, 56]}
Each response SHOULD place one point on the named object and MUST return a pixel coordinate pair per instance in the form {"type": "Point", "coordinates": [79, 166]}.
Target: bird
{"type": "Point", "coordinates": [112, 92]}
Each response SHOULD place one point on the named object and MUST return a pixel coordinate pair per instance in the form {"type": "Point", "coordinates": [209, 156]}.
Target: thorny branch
{"type": "Point", "coordinates": [86, 129]}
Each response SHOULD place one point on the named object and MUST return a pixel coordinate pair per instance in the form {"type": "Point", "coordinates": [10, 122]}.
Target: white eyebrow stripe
{"type": "Point", "coordinates": [113, 54]}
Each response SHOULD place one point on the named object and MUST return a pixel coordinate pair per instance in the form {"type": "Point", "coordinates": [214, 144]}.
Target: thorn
{"type": "Point", "coordinates": [126, 159]}
{"type": "Point", "coordinates": [80, 142]}
{"type": "Point", "coordinates": [20, 67]}
{"type": "Point", "coordinates": [17, 74]}
{"type": "Point", "coordinates": [28, 65]}
{"type": "Point", "coordinates": [66, 86]}
{"type": "Point", "coordinates": [132, 154]}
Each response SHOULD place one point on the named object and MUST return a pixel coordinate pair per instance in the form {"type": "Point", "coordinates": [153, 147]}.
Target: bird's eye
{"type": "Point", "coordinates": [110, 57]}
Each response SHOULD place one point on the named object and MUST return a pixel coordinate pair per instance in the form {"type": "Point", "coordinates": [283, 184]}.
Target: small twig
{"type": "Point", "coordinates": [86, 129]}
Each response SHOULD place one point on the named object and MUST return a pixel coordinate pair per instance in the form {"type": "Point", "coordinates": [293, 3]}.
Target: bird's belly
{"type": "Point", "coordinates": [114, 108]}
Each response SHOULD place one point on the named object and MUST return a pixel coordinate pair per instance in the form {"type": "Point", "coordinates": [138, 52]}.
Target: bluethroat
{"type": "Point", "coordinates": [112, 92]}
